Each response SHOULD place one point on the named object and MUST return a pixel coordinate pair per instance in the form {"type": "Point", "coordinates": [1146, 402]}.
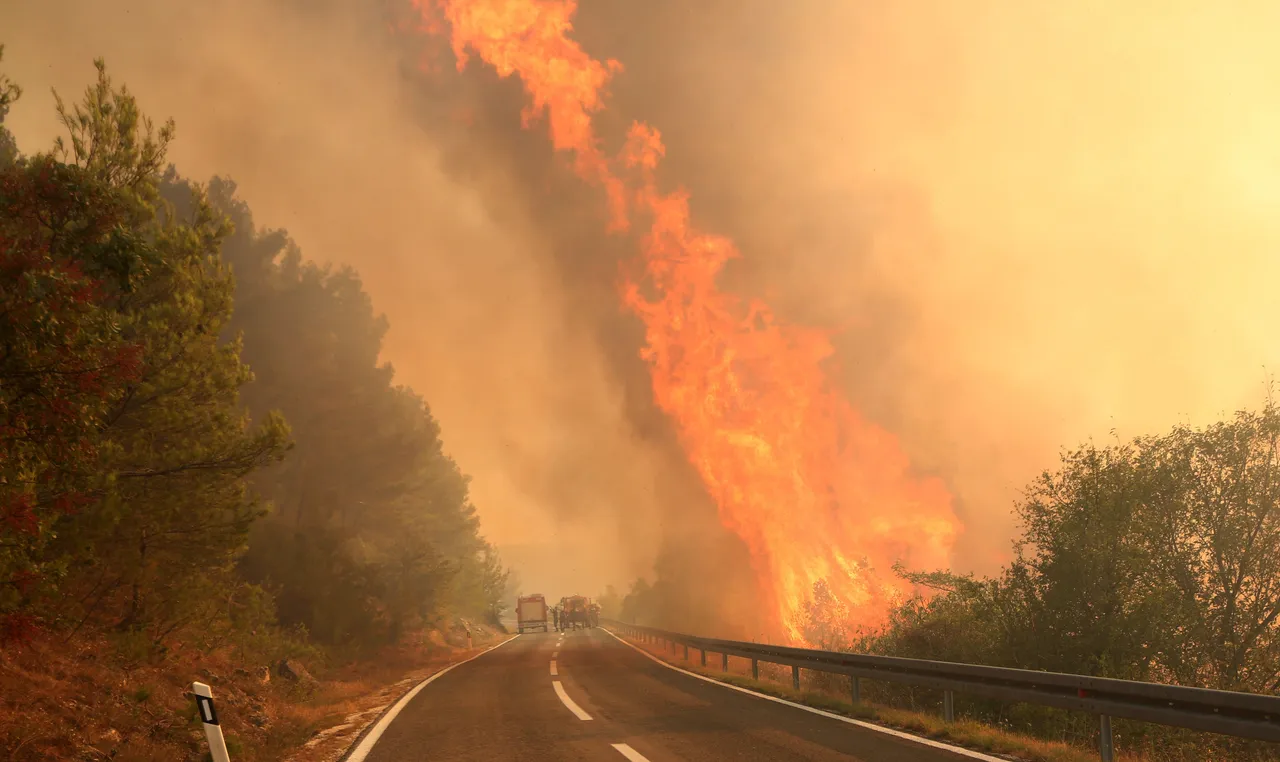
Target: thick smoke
{"type": "Point", "coordinates": [1030, 222]}
{"type": "Point", "coordinates": [484, 253]}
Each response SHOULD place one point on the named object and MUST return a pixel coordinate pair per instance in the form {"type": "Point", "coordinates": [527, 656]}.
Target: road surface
{"type": "Point", "coordinates": [586, 696]}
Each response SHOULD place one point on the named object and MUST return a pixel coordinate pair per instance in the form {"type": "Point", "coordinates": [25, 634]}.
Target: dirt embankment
{"type": "Point", "coordinates": [84, 699]}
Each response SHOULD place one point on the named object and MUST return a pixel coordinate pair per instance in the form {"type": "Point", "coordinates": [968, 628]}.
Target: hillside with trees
{"type": "Point", "coordinates": [200, 451]}
{"type": "Point", "coordinates": [204, 463]}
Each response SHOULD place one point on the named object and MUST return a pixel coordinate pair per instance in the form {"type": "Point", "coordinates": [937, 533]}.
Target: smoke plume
{"type": "Point", "coordinates": [1029, 223]}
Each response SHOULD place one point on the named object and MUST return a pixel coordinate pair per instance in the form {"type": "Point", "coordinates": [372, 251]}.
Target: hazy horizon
{"type": "Point", "coordinates": [1028, 225]}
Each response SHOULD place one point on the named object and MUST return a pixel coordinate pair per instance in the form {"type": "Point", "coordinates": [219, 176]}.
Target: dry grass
{"type": "Point", "coordinates": [77, 701]}
{"type": "Point", "coordinates": [355, 698]}
{"type": "Point", "coordinates": [969, 734]}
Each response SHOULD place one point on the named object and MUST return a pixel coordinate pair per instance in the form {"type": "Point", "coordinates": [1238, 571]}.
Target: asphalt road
{"type": "Point", "coordinates": [587, 696]}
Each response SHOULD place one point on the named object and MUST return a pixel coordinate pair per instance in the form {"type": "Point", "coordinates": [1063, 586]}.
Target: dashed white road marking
{"type": "Point", "coordinates": [869, 726]}
{"type": "Point", "coordinates": [630, 753]}
{"type": "Point", "coordinates": [554, 654]}
{"type": "Point", "coordinates": [554, 672]}
{"type": "Point", "coordinates": [568, 702]}
{"type": "Point", "coordinates": [376, 732]}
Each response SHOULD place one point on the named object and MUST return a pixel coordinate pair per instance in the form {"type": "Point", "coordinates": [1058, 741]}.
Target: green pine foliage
{"type": "Point", "coordinates": [9, 92]}
{"type": "Point", "coordinates": [153, 344]}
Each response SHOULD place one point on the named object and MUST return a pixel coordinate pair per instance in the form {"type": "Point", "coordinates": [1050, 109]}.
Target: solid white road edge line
{"type": "Point", "coordinates": [868, 725]}
{"type": "Point", "coordinates": [564, 699]}
{"type": "Point", "coordinates": [366, 745]}
{"type": "Point", "coordinates": [630, 753]}
{"type": "Point", "coordinates": [554, 673]}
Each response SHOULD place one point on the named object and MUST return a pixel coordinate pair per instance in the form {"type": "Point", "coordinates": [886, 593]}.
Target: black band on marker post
{"type": "Point", "coordinates": [208, 715]}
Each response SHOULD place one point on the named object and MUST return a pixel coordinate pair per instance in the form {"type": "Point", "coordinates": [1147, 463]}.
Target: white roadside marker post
{"type": "Point", "coordinates": [209, 716]}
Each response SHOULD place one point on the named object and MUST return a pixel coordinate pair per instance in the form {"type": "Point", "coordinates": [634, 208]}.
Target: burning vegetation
{"type": "Point", "coordinates": [822, 497]}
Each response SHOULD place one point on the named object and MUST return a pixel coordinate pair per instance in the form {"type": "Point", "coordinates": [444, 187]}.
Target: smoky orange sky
{"type": "Point", "coordinates": [1031, 221]}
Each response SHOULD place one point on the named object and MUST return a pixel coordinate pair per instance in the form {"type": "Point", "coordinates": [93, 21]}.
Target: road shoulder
{"type": "Point", "coordinates": [907, 727]}
{"type": "Point", "coordinates": [349, 723]}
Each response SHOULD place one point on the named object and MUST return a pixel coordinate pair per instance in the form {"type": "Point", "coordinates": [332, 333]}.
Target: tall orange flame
{"type": "Point", "coordinates": [817, 493]}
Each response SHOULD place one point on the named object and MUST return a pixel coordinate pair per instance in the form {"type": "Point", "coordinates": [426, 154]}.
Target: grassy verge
{"type": "Point", "coordinates": [965, 733]}
{"type": "Point", "coordinates": [82, 700]}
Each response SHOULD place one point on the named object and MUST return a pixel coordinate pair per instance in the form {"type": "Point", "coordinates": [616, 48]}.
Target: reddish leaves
{"type": "Point", "coordinates": [63, 357]}
{"type": "Point", "coordinates": [63, 360]}
{"type": "Point", "coordinates": [18, 516]}
{"type": "Point", "coordinates": [18, 628]}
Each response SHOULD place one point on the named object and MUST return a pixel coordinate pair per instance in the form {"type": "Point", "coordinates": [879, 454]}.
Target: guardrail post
{"type": "Point", "coordinates": [755, 670]}
{"type": "Point", "coordinates": [724, 662]}
{"type": "Point", "coordinates": [795, 678]}
{"type": "Point", "coordinates": [855, 689]}
{"type": "Point", "coordinates": [209, 717]}
{"type": "Point", "coordinates": [686, 652]}
{"type": "Point", "coordinates": [704, 656]}
{"type": "Point", "coordinates": [949, 706]}
{"type": "Point", "coordinates": [1104, 741]}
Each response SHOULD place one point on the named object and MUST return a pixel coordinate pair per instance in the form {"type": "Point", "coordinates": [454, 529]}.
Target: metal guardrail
{"type": "Point", "coordinates": [1243, 715]}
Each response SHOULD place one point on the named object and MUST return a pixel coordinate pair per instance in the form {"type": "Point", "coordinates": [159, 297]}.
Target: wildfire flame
{"type": "Point", "coordinates": [818, 494]}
